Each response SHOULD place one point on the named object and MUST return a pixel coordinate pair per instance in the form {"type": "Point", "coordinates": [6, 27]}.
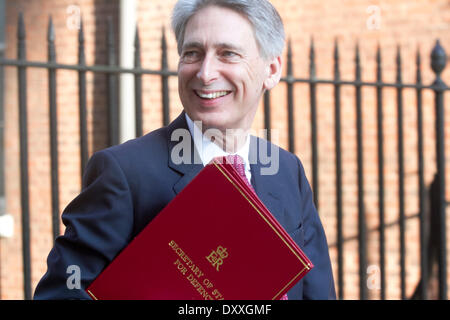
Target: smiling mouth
{"type": "Point", "coordinates": [211, 95]}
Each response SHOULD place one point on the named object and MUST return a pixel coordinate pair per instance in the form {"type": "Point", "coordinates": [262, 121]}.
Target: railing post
{"type": "Point", "coordinates": [381, 192]}
{"type": "Point", "coordinates": [53, 129]}
{"type": "Point", "coordinates": [438, 62]}
{"type": "Point", "coordinates": [339, 193]}
{"type": "Point", "coordinates": [362, 234]}
{"type": "Point", "coordinates": [82, 100]}
{"type": "Point", "coordinates": [313, 105]}
{"type": "Point", "coordinates": [422, 191]}
{"type": "Point", "coordinates": [138, 84]}
{"type": "Point", "coordinates": [267, 118]}
{"type": "Point", "coordinates": [24, 179]}
{"type": "Point", "coordinates": [401, 175]}
{"type": "Point", "coordinates": [113, 108]}
{"type": "Point", "coordinates": [290, 98]}
{"type": "Point", "coordinates": [165, 79]}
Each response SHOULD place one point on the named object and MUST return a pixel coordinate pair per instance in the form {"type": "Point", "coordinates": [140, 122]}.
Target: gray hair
{"type": "Point", "coordinates": [266, 21]}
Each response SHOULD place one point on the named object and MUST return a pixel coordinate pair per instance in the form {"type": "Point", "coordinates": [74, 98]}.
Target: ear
{"type": "Point", "coordinates": [273, 73]}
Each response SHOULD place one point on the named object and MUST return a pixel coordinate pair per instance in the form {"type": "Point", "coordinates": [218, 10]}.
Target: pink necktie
{"type": "Point", "coordinates": [238, 163]}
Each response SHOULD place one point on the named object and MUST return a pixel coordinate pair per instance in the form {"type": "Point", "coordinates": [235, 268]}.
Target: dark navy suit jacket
{"type": "Point", "coordinates": [126, 186]}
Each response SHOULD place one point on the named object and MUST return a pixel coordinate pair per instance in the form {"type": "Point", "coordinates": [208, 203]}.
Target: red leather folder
{"type": "Point", "coordinates": [214, 241]}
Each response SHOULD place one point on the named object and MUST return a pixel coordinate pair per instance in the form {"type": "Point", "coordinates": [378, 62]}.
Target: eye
{"type": "Point", "coordinates": [190, 56]}
{"type": "Point", "coordinates": [229, 54]}
{"type": "Point", "coordinates": [190, 53]}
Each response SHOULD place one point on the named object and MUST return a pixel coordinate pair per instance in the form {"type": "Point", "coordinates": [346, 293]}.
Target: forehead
{"type": "Point", "coordinates": [214, 24]}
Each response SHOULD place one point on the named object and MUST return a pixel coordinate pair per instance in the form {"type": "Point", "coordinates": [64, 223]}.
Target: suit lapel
{"type": "Point", "coordinates": [187, 169]}
{"type": "Point", "coordinates": [267, 187]}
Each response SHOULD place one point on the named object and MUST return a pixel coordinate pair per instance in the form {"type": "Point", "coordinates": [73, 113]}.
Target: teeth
{"type": "Point", "coordinates": [213, 95]}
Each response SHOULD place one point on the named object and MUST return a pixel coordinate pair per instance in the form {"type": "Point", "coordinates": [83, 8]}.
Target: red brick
{"type": "Point", "coordinates": [411, 24]}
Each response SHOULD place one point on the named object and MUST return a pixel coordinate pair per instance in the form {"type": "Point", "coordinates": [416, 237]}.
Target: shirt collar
{"type": "Point", "coordinates": [208, 150]}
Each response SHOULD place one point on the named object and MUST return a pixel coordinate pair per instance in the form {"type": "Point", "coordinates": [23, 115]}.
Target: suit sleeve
{"type": "Point", "coordinates": [319, 282]}
{"type": "Point", "coordinates": [99, 223]}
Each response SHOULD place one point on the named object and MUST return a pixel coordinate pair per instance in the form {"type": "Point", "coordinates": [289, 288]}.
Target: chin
{"type": "Point", "coordinates": [211, 120]}
{"type": "Point", "coordinates": [214, 124]}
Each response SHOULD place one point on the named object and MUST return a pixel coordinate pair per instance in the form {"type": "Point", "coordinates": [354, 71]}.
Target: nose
{"type": "Point", "coordinates": [208, 72]}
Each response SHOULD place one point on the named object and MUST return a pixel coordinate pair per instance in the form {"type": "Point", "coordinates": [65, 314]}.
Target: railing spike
{"type": "Point", "coordinates": [379, 64]}
{"type": "Point", "coordinates": [137, 48]}
{"type": "Point", "coordinates": [336, 60]}
{"type": "Point", "coordinates": [51, 41]}
{"type": "Point", "coordinates": [357, 52]}
{"type": "Point", "coordinates": [399, 64]}
{"type": "Point", "coordinates": [51, 30]}
{"type": "Point", "coordinates": [312, 59]}
{"type": "Point", "coordinates": [336, 49]}
{"type": "Point", "coordinates": [418, 66]}
{"type": "Point", "coordinates": [289, 68]}
{"type": "Point", "coordinates": [438, 58]}
{"type": "Point", "coordinates": [164, 79]}
{"type": "Point", "coordinates": [81, 31]}
{"type": "Point", "coordinates": [137, 40]}
{"type": "Point", "coordinates": [357, 62]}
{"type": "Point", "coordinates": [110, 34]}
{"type": "Point", "coordinates": [164, 41]}
{"type": "Point", "coordinates": [81, 53]}
{"type": "Point", "coordinates": [378, 56]}
{"type": "Point", "coordinates": [21, 34]}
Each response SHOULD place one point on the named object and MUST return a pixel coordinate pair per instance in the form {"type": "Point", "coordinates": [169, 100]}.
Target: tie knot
{"type": "Point", "coordinates": [238, 164]}
{"type": "Point", "coordinates": [236, 161]}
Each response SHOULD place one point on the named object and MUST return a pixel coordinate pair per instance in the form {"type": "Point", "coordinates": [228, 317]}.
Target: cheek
{"type": "Point", "coordinates": [255, 75]}
{"type": "Point", "coordinates": [244, 80]}
{"type": "Point", "coordinates": [185, 73]}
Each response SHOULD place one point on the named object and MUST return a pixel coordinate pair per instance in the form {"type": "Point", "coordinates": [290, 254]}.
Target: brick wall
{"type": "Point", "coordinates": [36, 15]}
{"type": "Point", "coordinates": [409, 24]}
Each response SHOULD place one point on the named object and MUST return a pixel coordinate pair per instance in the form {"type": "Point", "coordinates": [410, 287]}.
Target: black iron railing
{"type": "Point", "coordinates": [438, 58]}
{"type": "Point", "coordinates": [438, 62]}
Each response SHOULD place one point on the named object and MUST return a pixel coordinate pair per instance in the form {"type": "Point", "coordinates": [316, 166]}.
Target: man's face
{"type": "Point", "coordinates": [221, 73]}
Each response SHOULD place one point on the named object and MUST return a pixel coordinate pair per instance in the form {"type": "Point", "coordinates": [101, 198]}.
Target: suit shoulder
{"type": "Point", "coordinates": [150, 145]}
{"type": "Point", "coordinates": [286, 157]}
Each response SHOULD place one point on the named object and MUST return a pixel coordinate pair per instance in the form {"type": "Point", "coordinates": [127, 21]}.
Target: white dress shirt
{"type": "Point", "coordinates": [208, 150]}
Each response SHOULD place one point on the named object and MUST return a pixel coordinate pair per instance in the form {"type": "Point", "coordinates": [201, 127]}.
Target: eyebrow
{"type": "Point", "coordinates": [223, 45]}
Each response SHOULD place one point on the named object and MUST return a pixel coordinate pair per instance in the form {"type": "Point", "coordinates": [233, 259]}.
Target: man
{"type": "Point", "coordinates": [230, 53]}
